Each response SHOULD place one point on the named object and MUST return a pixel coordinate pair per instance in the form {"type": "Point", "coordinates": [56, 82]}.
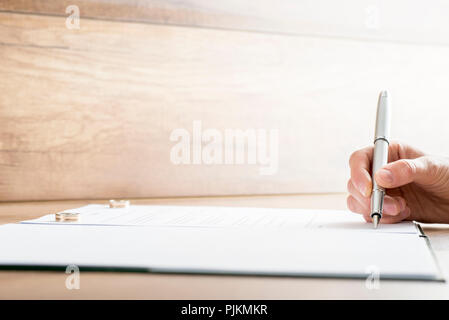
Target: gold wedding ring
{"type": "Point", "coordinates": [67, 216]}
{"type": "Point", "coordinates": [119, 203]}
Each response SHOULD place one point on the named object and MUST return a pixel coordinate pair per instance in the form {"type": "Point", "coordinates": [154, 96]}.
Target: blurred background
{"type": "Point", "coordinates": [90, 90]}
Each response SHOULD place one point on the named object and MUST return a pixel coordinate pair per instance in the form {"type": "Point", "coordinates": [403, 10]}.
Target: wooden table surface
{"type": "Point", "coordinates": [108, 285]}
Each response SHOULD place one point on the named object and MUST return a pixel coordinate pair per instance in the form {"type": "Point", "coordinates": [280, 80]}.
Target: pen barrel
{"type": "Point", "coordinates": [377, 201]}
{"type": "Point", "coordinates": [380, 158]}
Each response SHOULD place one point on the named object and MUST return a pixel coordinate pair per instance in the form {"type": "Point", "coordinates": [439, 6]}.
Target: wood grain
{"type": "Point", "coordinates": [401, 20]}
{"type": "Point", "coordinates": [108, 285]}
{"type": "Point", "coordinates": [88, 113]}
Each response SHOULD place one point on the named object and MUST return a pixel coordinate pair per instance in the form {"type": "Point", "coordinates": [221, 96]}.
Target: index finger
{"type": "Point", "coordinates": [360, 164]}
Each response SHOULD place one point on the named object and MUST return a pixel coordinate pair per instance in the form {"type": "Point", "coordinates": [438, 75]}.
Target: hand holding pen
{"type": "Point", "coordinates": [416, 185]}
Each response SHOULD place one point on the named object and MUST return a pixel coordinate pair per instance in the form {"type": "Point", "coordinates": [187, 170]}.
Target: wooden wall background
{"type": "Point", "coordinates": [87, 113]}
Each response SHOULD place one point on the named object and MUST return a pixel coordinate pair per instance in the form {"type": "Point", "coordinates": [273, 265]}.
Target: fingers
{"type": "Point", "coordinates": [392, 205]}
{"type": "Point", "coordinates": [423, 170]}
{"type": "Point", "coordinates": [403, 215]}
{"type": "Point", "coordinates": [399, 150]}
{"type": "Point", "coordinates": [395, 208]}
{"type": "Point", "coordinates": [407, 164]}
{"type": "Point", "coordinates": [355, 206]}
{"type": "Point", "coordinates": [356, 193]}
{"type": "Point", "coordinates": [360, 163]}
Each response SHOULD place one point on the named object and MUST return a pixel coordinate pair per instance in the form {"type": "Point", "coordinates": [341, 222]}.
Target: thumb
{"type": "Point", "coordinates": [422, 170]}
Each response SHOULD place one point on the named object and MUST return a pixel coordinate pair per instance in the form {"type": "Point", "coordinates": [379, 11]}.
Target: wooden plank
{"type": "Point", "coordinates": [401, 20]}
{"type": "Point", "coordinates": [88, 113]}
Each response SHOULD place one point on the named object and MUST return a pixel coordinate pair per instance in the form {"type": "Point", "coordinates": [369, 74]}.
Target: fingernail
{"type": "Point", "coordinates": [385, 175]}
{"type": "Point", "coordinates": [391, 208]}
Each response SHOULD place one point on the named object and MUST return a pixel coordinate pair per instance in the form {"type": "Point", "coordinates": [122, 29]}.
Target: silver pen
{"type": "Point", "coordinates": [380, 156]}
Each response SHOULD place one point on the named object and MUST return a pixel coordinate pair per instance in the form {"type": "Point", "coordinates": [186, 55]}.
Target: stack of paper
{"type": "Point", "coordinates": [227, 240]}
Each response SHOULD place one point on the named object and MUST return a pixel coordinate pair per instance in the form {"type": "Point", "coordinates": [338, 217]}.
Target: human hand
{"type": "Point", "coordinates": [417, 185]}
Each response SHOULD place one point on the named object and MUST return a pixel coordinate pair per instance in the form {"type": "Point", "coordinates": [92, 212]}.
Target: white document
{"type": "Point", "coordinates": [216, 217]}
{"type": "Point", "coordinates": [221, 240]}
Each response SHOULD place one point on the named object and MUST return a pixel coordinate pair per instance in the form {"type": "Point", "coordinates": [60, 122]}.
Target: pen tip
{"type": "Point", "coordinates": [384, 93]}
{"type": "Point", "coordinates": [375, 220]}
